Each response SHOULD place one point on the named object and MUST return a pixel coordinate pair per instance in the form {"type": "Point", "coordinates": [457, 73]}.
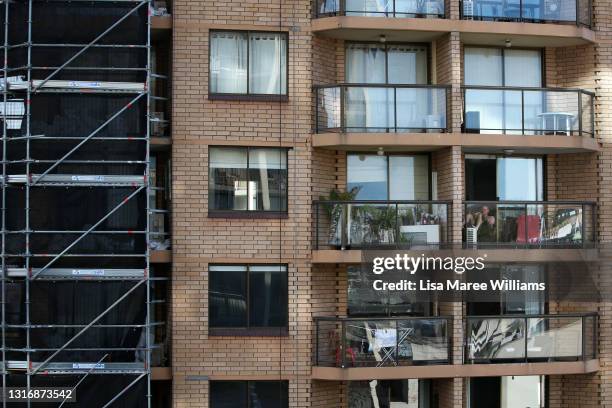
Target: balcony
{"type": "Point", "coordinates": [381, 224]}
{"type": "Point", "coordinates": [351, 349]}
{"type": "Point", "coordinates": [555, 120]}
{"type": "Point", "coordinates": [576, 12]}
{"type": "Point", "coordinates": [393, 8]}
{"type": "Point", "coordinates": [533, 231]}
{"type": "Point", "coordinates": [382, 342]}
{"type": "Point", "coordinates": [529, 224]}
{"type": "Point", "coordinates": [528, 111]}
{"type": "Point", "coordinates": [532, 338]}
{"type": "Point", "coordinates": [559, 22]}
{"type": "Point", "coordinates": [354, 111]}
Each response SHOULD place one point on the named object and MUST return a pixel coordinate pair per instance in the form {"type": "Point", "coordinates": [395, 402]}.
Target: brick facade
{"type": "Point", "coordinates": [315, 289]}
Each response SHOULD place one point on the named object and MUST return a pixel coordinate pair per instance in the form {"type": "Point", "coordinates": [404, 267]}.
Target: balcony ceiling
{"type": "Point", "coordinates": [472, 32]}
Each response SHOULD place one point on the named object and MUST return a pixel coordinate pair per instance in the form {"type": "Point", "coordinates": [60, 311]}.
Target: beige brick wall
{"type": "Point", "coordinates": [321, 290]}
{"type": "Point", "coordinates": [198, 240]}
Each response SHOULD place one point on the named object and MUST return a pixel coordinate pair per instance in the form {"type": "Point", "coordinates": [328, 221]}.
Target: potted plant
{"type": "Point", "coordinates": [383, 223]}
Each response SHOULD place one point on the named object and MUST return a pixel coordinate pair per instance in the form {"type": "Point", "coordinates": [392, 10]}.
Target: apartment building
{"type": "Point", "coordinates": [308, 135]}
{"type": "Point", "coordinates": [283, 144]}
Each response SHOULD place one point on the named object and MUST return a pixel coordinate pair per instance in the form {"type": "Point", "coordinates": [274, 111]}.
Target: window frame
{"type": "Point", "coordinates": [247, 96]}
{"type": "Point", "coordinates": [247, 383]}
{"type": "Point", "coordinates": [267, 214]}
{"type": "Point", "coordinates": [503, 62]}
{"type": "Point", "coordinates": [264, 331]}
{"type": "Point", "coordinates": [387, 155]}
{"type": "Point", "coordinates": [386, 45]}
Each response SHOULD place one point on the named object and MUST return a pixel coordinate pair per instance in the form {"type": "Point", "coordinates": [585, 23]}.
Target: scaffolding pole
{"type": "Point", "coordinates": [4, 158]}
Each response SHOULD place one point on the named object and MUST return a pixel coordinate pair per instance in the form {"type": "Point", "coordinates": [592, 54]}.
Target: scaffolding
{"type": "Point", "coordinates": [77, 291]}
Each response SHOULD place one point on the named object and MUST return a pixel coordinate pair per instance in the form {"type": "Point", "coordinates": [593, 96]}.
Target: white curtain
{"type": "Point", "coordinates": [268, 63]}
{"type": "Point", "coordinates": [408, 177]}
{"type": "Point", "coordinates": [368, 7]}
{"type": "Point", "coordinates": [407, 64]}
{"type": "Point", "coordinates": [367, 108]}
{"type": "Point", "coordinates": [365, 64]}
{"type": "Point", "coordinates": [228, 62]}
{"type": "Point", "coordinates": [519, 178]}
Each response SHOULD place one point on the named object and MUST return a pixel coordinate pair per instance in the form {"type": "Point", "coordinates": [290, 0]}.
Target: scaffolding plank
{"type": "Point", "coordinates": [78, 180]}
{"type": "Point", "coordinates": [20, 84]}
{"type": "Point", "coordinates": [79, 368]}
{"type": "Point", "coordinates": [81, 273]}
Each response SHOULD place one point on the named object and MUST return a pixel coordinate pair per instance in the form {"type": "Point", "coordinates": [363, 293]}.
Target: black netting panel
{"type": "Point", "coordinates": [76, 209]}
{"type": "Point", "coordinates": [77, 302]}
{"type": "Point", "coordinates": [94, 391]}
{"type": "Point", "coordinates": [54, 149]}
{"type": "Point", "coordinates": [100, 244]}
{"type": "Point", "coordinates": [61, 115]}
{"type": "Point", "coordinates": [55, 22]}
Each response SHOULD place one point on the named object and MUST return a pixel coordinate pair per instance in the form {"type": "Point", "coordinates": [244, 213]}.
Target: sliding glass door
{"type": "Point", "coordinates": [497, 110]}
{"type": "Point", "coordinates": [378, 109]}
{"type": "Point", "coordinates": [507, 392]}
{"type": "Point", "coordinates": [492, 178]}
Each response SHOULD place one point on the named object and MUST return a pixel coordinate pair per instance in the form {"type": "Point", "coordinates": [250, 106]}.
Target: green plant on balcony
{"type": "Point", "coordinates": [381, 222]}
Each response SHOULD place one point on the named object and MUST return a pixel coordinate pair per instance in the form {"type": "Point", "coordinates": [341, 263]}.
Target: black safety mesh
{"type": "Point", "coordinates": [94, 391]}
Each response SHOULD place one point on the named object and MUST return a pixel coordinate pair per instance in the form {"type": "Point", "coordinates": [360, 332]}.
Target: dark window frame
{"type": "Point", "coordinates": [248, 330]}
{"type": "Point", "coordinates": [267, 214]}
{"type": "Point", "coordinates": [284, 383]}
{"type": "Point", "coordinates": [248, 96]}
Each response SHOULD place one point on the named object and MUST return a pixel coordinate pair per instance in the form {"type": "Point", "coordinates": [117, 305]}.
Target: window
{"type": "Point", "coordinates": [377, 63]}
{"type": "Point", "coordinates": [392, 177]}
{"type": "Point", "coordinates": [503, 67]}
{"type": "Point", "coordinates": [247, 179]}
{"type": "Point", "coordinates": [248, 63]}
{"type": "Point", "coordinates": [247, 296]}
{"type": "Point", "coordinates": [249, 394]}
{"type": "Point", "coordinates": [399, 104]}
{"type": "Point", "coordinates": [506, 110]}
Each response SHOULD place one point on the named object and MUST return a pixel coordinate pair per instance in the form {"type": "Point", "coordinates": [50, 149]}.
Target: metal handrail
{"type": "Point", "coordinates": [525, 319]}
{"type": "Point", "coordinates": [392, 357]}
{"type": "Point", "coordinates": [522, 18]}
{"type": "Point", "coordinates": [579, 205]}
{"type": "Point", "coordinates": [528, 202]}
{"type": "Point", "coordinates": [395, 205]}
{"type": "Point", "coordinates": [527, 88]}
{"type": "Point", "coordinates": [359, 319]}
{"type": "Point", "coordinates": [334, 107]}
{"type": "Point", "coordinates": [374, 85]}
{"type": "Point", "coordinates": [339, 9]}
{"type": "Point", "coordinates": [391, 202]}
{"type": "Point", "coordinates": [585, 120]}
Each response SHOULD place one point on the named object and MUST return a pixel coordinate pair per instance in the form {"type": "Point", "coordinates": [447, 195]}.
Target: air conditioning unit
{"type": "Point", "coordinates": [468, 9]}
{"type": "Point", "coordinates": [471, 237]}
